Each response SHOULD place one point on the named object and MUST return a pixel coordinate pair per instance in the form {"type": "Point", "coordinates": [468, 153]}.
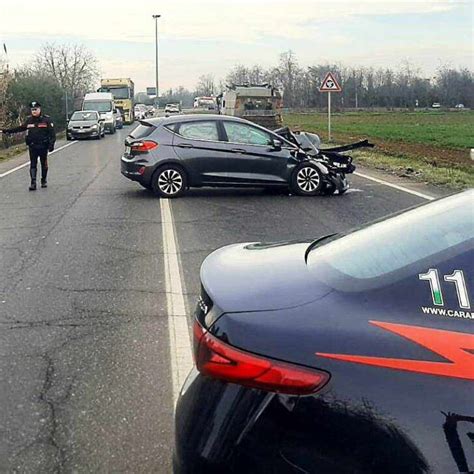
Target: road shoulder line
{"type": "Point", "coordinates": [179, 337]}
{"type": "Point", "coordinates": [395, 186]}
{"type": "Point", "coordinates": [6, 173]}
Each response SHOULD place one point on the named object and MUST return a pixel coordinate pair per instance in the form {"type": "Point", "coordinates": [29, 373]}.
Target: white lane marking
{"type": "Point", "coordinates": [27, 163]}
{"type": "Point", "coordinates": [180, 342]}
{"type": "Point", "coordinates": [395, 186]}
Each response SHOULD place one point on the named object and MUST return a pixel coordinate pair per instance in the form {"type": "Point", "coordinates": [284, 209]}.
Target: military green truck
{"type": "Point", "coordinates": [259, 103]}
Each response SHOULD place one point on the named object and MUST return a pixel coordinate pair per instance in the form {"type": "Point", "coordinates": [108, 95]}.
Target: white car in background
{"type": "Point", "coordinates": [140, 111]}
{"type": "Point", "coordinates": [172, 109]}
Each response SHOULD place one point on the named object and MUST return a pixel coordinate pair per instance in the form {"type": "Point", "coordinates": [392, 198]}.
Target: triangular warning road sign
{"type": "Point", "coordinates": [330, 84]}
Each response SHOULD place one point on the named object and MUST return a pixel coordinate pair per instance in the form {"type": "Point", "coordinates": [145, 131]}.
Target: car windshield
{"type": "Point", "coordinates": [398, 242]}
{"type": "Point", "coordinates": [99, 105]}
{"type": "Point", "coordinates": [84, 116]}
{"type": "Point", "coordinates": [120, 92]}
{"type": "Point", "coordinates": [308, 141]}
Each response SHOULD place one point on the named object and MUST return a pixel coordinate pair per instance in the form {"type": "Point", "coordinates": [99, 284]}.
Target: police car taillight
{"type": "Point", "coordinates": [144, 146]}
{"type": "Point", "coordinates": [217, 359]}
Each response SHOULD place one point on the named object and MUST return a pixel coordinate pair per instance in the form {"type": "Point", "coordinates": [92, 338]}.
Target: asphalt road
{"type": "Point", "coordinates": [85, 377]}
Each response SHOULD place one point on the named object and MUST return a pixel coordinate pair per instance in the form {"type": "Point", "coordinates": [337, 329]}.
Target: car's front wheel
{"type": "Point", "coordinates": [306, 180]}
{"type": "Point", "coordinates": [169, 181]}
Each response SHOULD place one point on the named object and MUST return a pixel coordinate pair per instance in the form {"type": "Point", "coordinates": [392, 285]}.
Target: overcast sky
{"type": "Point", "coordinates": [210, 36]}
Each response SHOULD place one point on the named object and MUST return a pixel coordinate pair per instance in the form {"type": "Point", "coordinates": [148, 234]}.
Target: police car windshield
{"type": "Point", "coordinates": [84, 116]}
{"type": "Point", "coordinates": [393, 244]}
{"type": "Point", "coordinates": [100, 106]}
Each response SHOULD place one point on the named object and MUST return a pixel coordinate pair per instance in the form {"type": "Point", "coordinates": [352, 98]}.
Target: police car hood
{"type": "Point", "coordinates": [259, 276]}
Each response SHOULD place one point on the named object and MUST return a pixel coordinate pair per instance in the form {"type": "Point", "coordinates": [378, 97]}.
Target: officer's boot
{"type": "Point", "coordinates": [33, 179]}
{"type": "Point", "coordinates": [44, 173]}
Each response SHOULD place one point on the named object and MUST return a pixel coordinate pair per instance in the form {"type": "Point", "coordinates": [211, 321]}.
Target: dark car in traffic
{"type": "Point", "coordinates": [85, 124]}
{"type": "Point", "coordinates": [169, 155]}
{"type": "Point", "coordinates": [352, 353]}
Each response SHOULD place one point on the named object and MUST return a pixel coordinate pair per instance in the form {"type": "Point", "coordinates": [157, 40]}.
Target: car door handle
{"type": "Point", "coordinates": [185, 145]}
{"type": "Point", "coordinates": [237, 150]}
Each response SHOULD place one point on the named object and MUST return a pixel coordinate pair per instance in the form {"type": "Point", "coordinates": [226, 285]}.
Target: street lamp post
{"type": "Point", "coordinates": [156, 54]}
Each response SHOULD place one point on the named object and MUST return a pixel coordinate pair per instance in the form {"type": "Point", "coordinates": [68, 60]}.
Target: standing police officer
{"type": "Point", "coordinates": [40, 138]}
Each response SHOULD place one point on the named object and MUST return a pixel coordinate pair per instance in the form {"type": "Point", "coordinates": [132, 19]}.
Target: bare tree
{"type": "Point", "coordinates": [288, 72]}
{"type": "Point", "coordinates": [238, 75]}
{"type": "Point", "coordinates": [73, 66]}
{"type": "Point", "coordinates": [206, 85]}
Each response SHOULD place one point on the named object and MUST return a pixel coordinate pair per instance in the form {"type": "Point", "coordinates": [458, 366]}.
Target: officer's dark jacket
{"type": "Point", "coordinates": [39, 131]}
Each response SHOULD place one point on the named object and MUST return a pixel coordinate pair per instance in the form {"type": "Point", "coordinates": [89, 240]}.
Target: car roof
{"type": "Point", "coordinates": [197, 117]}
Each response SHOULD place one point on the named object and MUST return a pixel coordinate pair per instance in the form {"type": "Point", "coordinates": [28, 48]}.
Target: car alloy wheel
{"type": "Point", "coordinates": [169, 182]}
{"type": "Point", "coordinates": [307, 180]}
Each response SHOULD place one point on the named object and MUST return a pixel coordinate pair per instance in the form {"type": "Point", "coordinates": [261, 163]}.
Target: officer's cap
{"type": "Point", "coordinates": [34, 105]}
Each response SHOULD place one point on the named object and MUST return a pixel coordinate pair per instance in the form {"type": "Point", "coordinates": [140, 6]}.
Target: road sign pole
{"type": "Point", "coordinates": [329, 116]}
{"type": "Point", "coordinates": [329, 85]}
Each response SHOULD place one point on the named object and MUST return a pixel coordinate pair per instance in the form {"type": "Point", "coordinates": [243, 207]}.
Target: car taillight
{"type": "Point", "coordinates": [144, 146]}
{"type": "Point", "coordinates": [216, 359]}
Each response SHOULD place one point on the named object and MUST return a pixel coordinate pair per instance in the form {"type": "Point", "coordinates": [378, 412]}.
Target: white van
{"type": "Point", "coordinates": [102, 102]}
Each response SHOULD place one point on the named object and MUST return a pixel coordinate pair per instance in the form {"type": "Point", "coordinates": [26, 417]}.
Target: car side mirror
{"type": "Point", "coordinates": [277, 144]}
{"type": "Point", "coordinates": [101, 120]}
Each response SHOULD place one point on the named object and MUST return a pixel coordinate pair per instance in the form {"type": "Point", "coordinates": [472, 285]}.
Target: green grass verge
{"type": "Point", "coordinates": [431, 147]}
{"type": "Point", "coordinates": [437, 128]}
{"type": "Point", "coordinates": [414, 168]}
{"type": "Point", "coordinates": [15, 150]}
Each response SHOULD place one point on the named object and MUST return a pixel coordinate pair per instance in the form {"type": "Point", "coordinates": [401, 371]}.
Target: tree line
{"type": "Point", "coordinates": [57, 77]}
{"type": "Point", "coordinates": [362, 87]}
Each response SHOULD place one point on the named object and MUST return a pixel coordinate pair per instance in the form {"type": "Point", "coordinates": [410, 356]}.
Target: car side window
{"type": "Point", "coordinates": [205, 130]}
{"type": "Point", "coordinates": [246, 134]}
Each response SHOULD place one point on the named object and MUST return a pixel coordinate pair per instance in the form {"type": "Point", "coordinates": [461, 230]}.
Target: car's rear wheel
{"type": "Point", "coordinates": [169, 181]}
{"type": "Point", "coordinates": [306, 180]}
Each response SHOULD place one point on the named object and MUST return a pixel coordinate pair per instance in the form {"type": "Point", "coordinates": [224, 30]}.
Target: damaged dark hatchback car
{"type": "Point", "coordinates": [170, 155]}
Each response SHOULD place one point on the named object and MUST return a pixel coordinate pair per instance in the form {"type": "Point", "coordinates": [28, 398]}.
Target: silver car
{"type": "Point", "coordinates": [118, 118]}
{"type": "Point", "coordinates": [85, 124]}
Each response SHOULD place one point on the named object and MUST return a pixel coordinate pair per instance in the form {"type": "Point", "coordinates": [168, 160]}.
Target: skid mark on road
{"type": "Point", "coordinates": [180, 343]}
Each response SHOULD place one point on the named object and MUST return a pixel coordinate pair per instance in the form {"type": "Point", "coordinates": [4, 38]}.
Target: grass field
{"type": "Point", "coordinates": [441, 129]}
{"type": "Point", "coordinates": [431, 146]}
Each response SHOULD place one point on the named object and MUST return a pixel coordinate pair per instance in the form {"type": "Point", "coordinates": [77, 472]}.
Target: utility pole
{"type": "Point", "coordinates": [156, 56]}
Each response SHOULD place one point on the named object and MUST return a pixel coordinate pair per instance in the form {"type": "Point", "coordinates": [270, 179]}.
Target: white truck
{"type": "Point", "coordinates": [102, 102]}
